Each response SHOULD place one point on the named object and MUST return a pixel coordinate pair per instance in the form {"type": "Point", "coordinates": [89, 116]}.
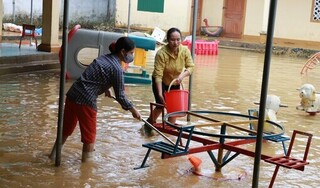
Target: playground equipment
{"type": "Point", "coordinates": [273, 105]}
{"type": "Point", "coordinates": [289, 162]}
{"type": "Point", "coordinates": [229, 135]}
{"type": "Point", "coordinates": [203, 47]}
{"type": "Point", "coordinates": [172, 148]}
{"type": "Point", "coordinates": [310, 99]}
{"type": "Point", "coordinates": [311, 63]}
{"type": "Point", "coordinates": [212, 31]}
{"type": "Point", "coordinates": [279, 138]}
{"type": "Point", "coordinates": [79, 39]}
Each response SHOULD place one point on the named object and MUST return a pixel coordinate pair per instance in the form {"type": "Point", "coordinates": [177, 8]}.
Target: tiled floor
{"type": "Point", "coordinates": [12, 49]}
{"type": "Point", "coordinates": [9, 45]}
{"type": "Point", "coordinates": [15, 60]}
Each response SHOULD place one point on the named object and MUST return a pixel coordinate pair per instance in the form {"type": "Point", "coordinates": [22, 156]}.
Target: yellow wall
{"type": "Point", "coordinates": [293, 17]}
{"type": "Point", "coordinates": [253, 21]}
{"type": "Point", "coordinates": [177, 13]}
{"type": "Point", "coordinates": [295, 21]}
{"type": "Point", "coordinates": [212, 10]}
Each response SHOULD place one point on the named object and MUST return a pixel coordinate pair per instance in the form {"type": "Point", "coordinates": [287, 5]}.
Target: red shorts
{"type": "Point", "coordinates": [87, 118]}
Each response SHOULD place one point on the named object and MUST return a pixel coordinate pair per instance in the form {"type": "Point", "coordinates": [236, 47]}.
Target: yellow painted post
{"type": "Point", "coordinates": [140, 57]}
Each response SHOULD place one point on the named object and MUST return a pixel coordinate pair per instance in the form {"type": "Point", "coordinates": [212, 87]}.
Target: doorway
{"type": "Point", "coordinates": [233, 18]}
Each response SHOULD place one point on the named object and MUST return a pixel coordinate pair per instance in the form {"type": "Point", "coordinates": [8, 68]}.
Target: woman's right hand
{"type": "Point", "coordinates": [135, 113]}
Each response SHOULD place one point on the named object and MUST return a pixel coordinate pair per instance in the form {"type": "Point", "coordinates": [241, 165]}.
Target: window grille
{"type": "Point", "coordinates": [316, 10]}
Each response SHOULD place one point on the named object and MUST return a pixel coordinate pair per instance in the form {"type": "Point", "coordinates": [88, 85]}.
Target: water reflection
{"type": "Point", "coordinates": [230, 81]}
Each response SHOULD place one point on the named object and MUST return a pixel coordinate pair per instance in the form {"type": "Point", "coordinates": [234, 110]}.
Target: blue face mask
{"type": "Point", "coordinates": [128, 58]}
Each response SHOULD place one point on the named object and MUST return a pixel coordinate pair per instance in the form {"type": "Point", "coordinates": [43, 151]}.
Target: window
{"type": "Point", "coordinates": [151, 5]}
{"type": "Point", "coordinates": [316, 10]}
{"type": "Point", "coordinates": [87, 55]}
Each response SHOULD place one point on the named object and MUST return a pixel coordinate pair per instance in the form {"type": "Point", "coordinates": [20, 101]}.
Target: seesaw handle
{"type": "Point", "coordinates": [164, 136]}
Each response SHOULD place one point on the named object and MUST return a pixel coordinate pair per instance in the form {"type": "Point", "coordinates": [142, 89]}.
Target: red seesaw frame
{"type": "Point", "coordinates": [224, 140]}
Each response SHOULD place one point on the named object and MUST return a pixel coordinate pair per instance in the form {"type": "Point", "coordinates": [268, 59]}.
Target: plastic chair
{"type": "Point", "coordinates": [289, 162]}
{"type": "Point", "coordinates": [28, 31]}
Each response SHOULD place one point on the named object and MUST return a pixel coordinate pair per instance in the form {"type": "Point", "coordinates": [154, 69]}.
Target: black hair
{"type": "Point", "coordinates": [171, 30]}
{"type": "Point", "coordinates": [122, 43]}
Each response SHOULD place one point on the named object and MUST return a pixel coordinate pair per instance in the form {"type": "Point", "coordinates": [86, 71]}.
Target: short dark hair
{"type": "Point", "coordinates": [171, 30]}
{"type": "Point", "coordinates": [122, 43]}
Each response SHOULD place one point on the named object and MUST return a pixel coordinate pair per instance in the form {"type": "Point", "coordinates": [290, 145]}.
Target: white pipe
{"type": "Point", "coordinates": [14, 11]}
{"type": "Point", "coordinates": [129, 15]}
{"type": "Point", "coordinates": [31, 12]}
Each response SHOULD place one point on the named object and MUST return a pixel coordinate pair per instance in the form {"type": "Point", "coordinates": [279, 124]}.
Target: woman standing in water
{"type": "Point", "coordinates": [102, 74]}
{"type": "Point", "coordinates": [172, 61]}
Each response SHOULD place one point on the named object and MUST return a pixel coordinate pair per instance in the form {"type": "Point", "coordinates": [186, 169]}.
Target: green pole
{"type": "Point", "coordinates": [264, 92]}
{"type": "Point", "coordinates": [62, 82]}
{"type": "Point", "coordinates": [194, 30]}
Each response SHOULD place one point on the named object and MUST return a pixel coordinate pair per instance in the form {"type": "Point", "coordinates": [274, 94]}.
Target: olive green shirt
{"type": "Point", "coordinates": [168, 66]}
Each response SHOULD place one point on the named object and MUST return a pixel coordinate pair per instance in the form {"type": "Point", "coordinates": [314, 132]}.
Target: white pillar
{"type": "Point", "coordinates": [265, 16]}
{"type": "Point", "coordinates": [1, 17]}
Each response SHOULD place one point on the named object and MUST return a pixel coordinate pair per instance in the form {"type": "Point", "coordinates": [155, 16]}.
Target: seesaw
{"type": "Point", "coordinates": [231, 135]}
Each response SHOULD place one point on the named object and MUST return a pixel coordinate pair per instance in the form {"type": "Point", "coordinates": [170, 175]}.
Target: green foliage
{"type": "Point", "coordinates": [84, 22]}
{"type": "Point", "coordinates": [92, 24]}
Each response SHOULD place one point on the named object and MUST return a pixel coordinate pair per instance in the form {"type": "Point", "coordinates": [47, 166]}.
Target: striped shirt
{"type": "Point", "coordinates": [102, 74]}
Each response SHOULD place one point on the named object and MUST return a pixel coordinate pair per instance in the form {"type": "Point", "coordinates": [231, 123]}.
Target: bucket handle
{"type": "Point", "coordinates": [173, 82]}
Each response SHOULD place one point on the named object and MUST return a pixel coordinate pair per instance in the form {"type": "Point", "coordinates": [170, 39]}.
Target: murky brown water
{"type": "Point", "coordinates": [228, 82]}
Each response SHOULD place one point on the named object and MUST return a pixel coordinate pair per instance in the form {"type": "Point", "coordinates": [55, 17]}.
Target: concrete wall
{"type": "Point", "coordinates": [212, 10]}
{"type": "Point", "coordinates": [293, 18]}
{"type": "Point", "coordinates": [295, 21]}
{"type": "Point", "coordinates": [95, 10]}
{"type": "Point", "coordinates": [176, 13]}
{"type": "Point", "coordinates": [253, 22]}
{"type": "Point", "coordinates": [22, 7]}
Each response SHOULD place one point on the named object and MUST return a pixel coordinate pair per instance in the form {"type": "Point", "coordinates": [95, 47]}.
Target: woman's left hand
{"type": "Point", "coordinates": [178, 80]}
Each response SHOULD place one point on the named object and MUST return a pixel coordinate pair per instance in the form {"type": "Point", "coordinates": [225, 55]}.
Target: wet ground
{"type": "Point", "coordinates": [228, 82]}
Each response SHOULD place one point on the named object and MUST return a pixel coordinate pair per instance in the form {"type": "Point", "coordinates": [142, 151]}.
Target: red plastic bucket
{"type": "Point", "coordinates": [176, 100]}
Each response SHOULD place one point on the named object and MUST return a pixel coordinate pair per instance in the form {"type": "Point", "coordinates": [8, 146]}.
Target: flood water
{"type": "Point", "coordinates": [228, 82]}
